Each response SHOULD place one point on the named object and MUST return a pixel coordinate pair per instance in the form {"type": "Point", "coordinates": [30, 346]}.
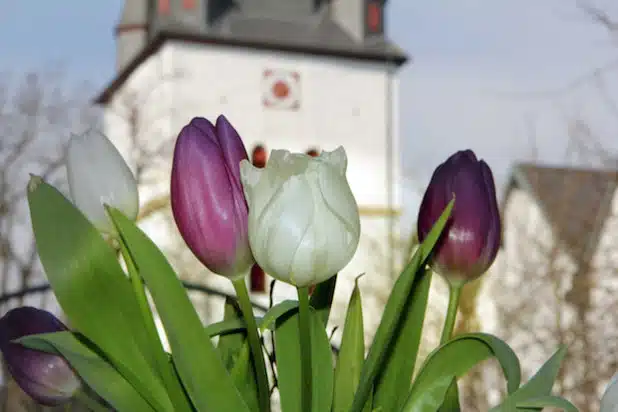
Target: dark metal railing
{"type": "Point", "coordinates": [188, 285]}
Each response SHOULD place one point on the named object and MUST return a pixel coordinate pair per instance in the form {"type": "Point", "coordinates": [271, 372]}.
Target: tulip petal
{"type": "Point", "coordinates": [232, 148]}
{"type": "Point", "coordinates": [98, 175]}
{"type": "Point", "coordinates": [469, 227]}
{"type": "Point", "coordinates": [275, 246]}
{"type": "Point", "coordinates": [492, 242]}
{"type": "Point", "coordinates": [204, 203]}
{"type": "Point", "coordinates": [206, 128]}
{"type": "Point", "coordinates": [259, 185]}
{"type": "Point", "coordinates": [470, 241]}
{"type": "Point", "coordinates": [342, 228]}
{"type": "Point", "coordinates": [47, 378]}
{"type": "Point", "coordinates": [438, 194]}
{"type": "Point", "coordinates": [337, 158]}
{"type": "Point", "coordinates": [303, 219]}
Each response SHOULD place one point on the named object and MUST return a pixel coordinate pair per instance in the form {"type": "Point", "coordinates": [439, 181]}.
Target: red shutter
{"type": "Point", "coordinates": [164, 6]}
{"type": "Point", "coordinates": [374, 16]}
{"type": "Point", "coordinates": [257, 279]}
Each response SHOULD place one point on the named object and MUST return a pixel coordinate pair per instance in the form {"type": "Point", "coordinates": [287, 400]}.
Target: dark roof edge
{"type": "Point", "coordinates": [519, 180]}
{"type": "Point", "coordinates": [104, 97]}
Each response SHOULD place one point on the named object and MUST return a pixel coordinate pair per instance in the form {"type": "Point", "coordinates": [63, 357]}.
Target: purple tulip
{"type": "Point", "coordinates": [207, 197]}
{"type": "Point", "coordinates": [47, 378]}
{"type": "Point", "coordinates": [471, 238]}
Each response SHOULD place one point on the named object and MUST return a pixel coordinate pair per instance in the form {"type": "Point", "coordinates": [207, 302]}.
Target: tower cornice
{"type": "Point", "coordinates": [386, 53]}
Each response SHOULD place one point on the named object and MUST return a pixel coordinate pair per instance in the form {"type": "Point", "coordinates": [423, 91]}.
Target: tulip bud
{"type": "Point", "coordinates": [304, 224]}
{"type": "Point", "coordinates": [45, 377]}
{"type": "Point", "coordinates": [471, 238]}
{"type": "Point", "coordinates": [207, 198]}
{"type": "Point", "coordinates": [609, 400]}
{"type": "Point", "coordinates": [98, 176]}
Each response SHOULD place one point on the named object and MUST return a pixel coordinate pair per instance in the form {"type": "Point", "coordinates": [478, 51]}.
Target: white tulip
{"type": "Point", "coordinates": [98, 176]}
{"type": "Point", "coordinates": [303, 219]}
{"type": "Point", "coordinates": [609, 401]}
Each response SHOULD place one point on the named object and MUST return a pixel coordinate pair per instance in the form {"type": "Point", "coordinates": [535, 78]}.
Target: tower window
{"type": "Point", "coordinates": [374, 17]}
{"type": "Point", "coordinates": [259, 156]}
{"type": "Point", "coordinates": [164, 6]}
{"type": "Point", "coordinates": [257, 279]}
{"type": "Point", "coordinates": [313, 152]}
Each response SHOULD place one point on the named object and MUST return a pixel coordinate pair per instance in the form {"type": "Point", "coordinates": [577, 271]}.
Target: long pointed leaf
{"type": "Point", "coordinates": [95, 371]}
{"type": "Point", "coordinates": [395, 378]}
{"type": "Point", "coordinates": [322, 298]}
{"type": "Point", "coordinates": [540, 385]}
{"type": "Point", "coordinates": [393, 312]}
{"type": "Point", "coordinates": [287, 346]}
{"type": "Point", "coordinates": [205, 378]}
{"type": "Point", "coordinates": [545, 401]}
{"type": "Point", "coordinates": [92, 288]}
{"type": "Point", "coordinates": [351, 354]}
{"type": "Point", "coordinates": [454, 359]}
{"type": "Point", "coordinates": [280, 309]}
{"type": "Point", "coordinates": [235, 354]}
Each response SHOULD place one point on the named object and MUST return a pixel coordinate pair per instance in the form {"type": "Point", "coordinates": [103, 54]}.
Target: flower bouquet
{"type": "Point", "coordinates": [298, 219]}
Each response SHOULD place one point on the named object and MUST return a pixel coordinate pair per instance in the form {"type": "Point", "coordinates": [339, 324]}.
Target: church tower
{"type": "Point", "coordinates": [305, 75]}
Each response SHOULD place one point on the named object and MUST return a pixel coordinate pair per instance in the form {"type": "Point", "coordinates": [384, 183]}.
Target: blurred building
{"type": "Point", "coordinates": [296, 74]}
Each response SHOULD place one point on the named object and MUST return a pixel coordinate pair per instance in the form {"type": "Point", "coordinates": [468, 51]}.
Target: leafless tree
{"type": "Point", "coordinates": [38, 113]}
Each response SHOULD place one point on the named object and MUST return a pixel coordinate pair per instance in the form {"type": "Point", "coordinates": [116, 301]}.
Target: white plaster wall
{"type": "Point", "coordinates": [343, 103]}
{"type": "Point", "coordinates": [526, 254]}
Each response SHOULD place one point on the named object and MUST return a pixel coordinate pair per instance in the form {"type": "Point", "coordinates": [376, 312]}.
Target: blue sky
{"type": "Point", "coordinates": [478, 68]}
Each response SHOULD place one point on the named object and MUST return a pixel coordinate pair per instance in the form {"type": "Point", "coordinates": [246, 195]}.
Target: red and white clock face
{"type": "Point", "coordinates": [281, 89]}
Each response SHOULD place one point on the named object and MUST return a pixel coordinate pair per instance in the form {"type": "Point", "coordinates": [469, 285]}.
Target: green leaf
{"type": "Point", "coordinates": [395, 378]}
{"type": "Point", "coordinates": [545, 401]}
{"type": "Point", "coordinates": [432, 397]}
{"type": "Point", "coordinates": [98, 374]}
{"type": "Point", "coordinates": [243, 373]}
{"type": "Point", "coordinates": [225, 327]}
{"type": "Point", "coordinates": [451, 399]}
{"type": "Point", "coordinates": [235, 354]}
{"type": "Point", "coordinates": [454, 359]}
{"type": "Point", "coordinates": [287, 346]}
{"type": "Point", "coordinates": [539, 386]}
{"type": "Point", "coordinates": [393, 312]}
{"type": "Point", "coordinates": [269, 319]}
{"type": "Point", "coordinates": [205, 378]}
{"type": "Point", "coordinates": [351, 354]}
{"type": "Point", "coordinates": [230, 344]}
{"type": "Point", "coordinates": [322, 298]}
{"type": "Point", "coordinates": [92, 288]}
{"type": "Point", "coordinates": [265, 322]}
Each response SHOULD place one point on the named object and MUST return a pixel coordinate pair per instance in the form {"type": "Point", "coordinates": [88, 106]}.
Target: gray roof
{"type": "Point", "coordinates": [316, 33]}
{"type": "Point", "coordinates": [576, 202]}
{"type": "Point", "coordinates": [325, 33]}
{"type": "Point", "coordinates": [269, 27]}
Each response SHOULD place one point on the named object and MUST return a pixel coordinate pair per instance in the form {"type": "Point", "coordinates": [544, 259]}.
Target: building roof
{"type": "Point", "coordinates": [576, 202]}
{"type": "Point", "coordinates": [315, 33]}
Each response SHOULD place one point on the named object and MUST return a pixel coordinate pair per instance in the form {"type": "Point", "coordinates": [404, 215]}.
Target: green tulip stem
{"type": "Point", "coordinates": [451, 313]}
{"type": "Point", "coordinates": [451, 399]}
{"type": "Point", "coordinates": [164, 367]}
{"type": "Point", "coordinates": [305, 347]}
{"type": "Point", "coordinates": [255, 344]}
{"type": "Point", "coordinates": [89, 402]}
